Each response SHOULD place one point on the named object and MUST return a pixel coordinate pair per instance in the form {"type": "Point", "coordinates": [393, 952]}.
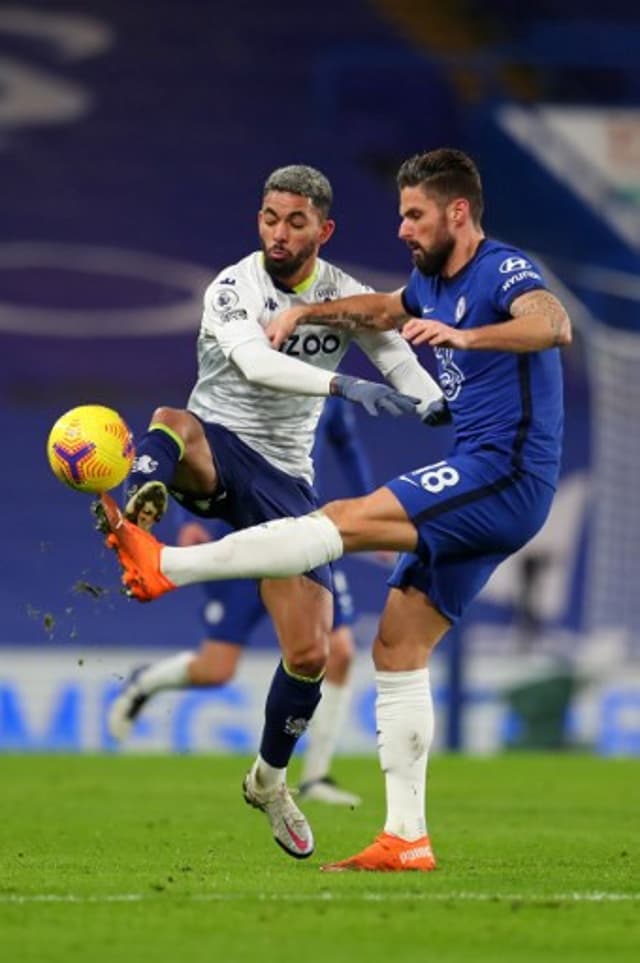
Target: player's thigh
{"type": "Point", "coordinates": [410, 626]}
{"type": "Point", "coordinates": [302, 612]}
{"type": "Point", "coordinates": [375, 521]}
{"type": "Point", "coordinates": [471, 505]}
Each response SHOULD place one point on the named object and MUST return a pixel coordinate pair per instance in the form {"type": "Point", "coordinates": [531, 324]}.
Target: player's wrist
{"type": "Point", "coordinates": [338, 384]}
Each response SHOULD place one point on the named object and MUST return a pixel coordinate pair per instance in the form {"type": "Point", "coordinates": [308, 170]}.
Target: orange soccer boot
{"type": "Point", "coordinates": [138, 553]}
{"type": "Point", "coordinates": [389, 854]}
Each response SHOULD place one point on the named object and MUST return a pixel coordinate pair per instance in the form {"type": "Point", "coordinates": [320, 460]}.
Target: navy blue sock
{"type": "Point", "coordinates": [157, 455]}
{"type": "Point", "coordinates": [290, 705]}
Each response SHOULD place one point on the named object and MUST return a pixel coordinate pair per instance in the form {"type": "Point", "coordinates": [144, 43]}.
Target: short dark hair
{"type": "Point", "coordinates": [448, 174]}
{"type": "Point", "coordinates": [303, 180]}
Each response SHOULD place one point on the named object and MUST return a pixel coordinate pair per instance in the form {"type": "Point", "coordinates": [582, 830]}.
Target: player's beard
{"type": "Point", "coordinates": [285, 268]}
{"type": "Point", "coordinates": [433, 261]}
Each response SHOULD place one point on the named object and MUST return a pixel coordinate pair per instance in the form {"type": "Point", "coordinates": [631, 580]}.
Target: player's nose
{"type": "Point", "coordinates": [280, 232]}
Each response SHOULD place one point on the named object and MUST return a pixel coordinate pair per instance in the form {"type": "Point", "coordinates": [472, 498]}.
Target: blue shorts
{"type": "Point", "coordinates": [251, 490]}
{"type": "Point", "coordinates": [471, 511]}
{"type": "Point", "coordinates": [232, 610]}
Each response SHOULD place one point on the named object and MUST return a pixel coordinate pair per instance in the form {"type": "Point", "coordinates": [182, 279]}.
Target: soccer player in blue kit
{"type": "Point", "coordinates": [495, 329]}
{"type": "Point", "coordinates": [232, 610]}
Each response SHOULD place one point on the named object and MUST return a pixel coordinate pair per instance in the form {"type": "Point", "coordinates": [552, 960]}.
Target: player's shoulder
{"type": "Point", "coordinates": [333, 282]}
{"type": "Point", "coordinates": [246, 269]}
{"type": "Point", "coordinates": [505, 260]}
{"type": "Point", "coordinates": [243, 274]}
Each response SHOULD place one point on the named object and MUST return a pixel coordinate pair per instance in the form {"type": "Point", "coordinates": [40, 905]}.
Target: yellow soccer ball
{"type": "Point", "coordinates": [90, 448]}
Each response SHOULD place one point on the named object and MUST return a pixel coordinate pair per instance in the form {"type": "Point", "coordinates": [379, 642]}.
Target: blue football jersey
{"type": "Point", "coordinates": [500, 401]}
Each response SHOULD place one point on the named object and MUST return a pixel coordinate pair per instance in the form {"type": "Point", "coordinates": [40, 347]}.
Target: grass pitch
{"type": "Point", "coordinates": [158, 859]}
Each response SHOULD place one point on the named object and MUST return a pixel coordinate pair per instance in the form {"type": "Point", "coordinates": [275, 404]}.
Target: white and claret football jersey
{"type": "Point", "coordinates": [238, 305]}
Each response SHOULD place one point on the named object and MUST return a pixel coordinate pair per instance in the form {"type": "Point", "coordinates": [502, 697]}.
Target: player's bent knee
{"type": "Point", "coordinates": [344, 514]}
{"type": "Point", "coordinates": [309, 662]}
{"type": "Point", "coordinates": [179, 421]}
{"type": "Point", "coordinates": [165, 416]}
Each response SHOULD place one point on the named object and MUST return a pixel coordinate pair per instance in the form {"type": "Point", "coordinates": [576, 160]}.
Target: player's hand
{"type": "Point", "coordinates": [193, 533]}
{"type": "Point", "coordinates": [437, 414]}
{"type": "Point", "coordinates": [374, 398]}
{"type": "Point", "coordinates": [435, 333]}
{"type": "Point", "coordinates": [282, 326]}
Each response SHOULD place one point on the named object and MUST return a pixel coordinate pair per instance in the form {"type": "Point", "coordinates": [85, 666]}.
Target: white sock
{"type": "Point", "coordinates": [170, 673]}
{"type": "Point", "coordinates": [266, 776]}
{"type": "Point", "coordinates": [324, 730]}
{"type": "Point", "coordinates": [286, 546]}
{"type": "Point", "coordinates": [405, 723]}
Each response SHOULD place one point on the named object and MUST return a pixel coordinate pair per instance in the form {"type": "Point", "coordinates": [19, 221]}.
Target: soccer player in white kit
{"type": "Point", "coordinates": [241, 449]}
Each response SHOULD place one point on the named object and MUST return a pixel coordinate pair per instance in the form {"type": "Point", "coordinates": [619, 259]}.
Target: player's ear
{"type": "Point", "coordinates": [458, 211]}
{"type": "Point", "coordinates": [327, 229]}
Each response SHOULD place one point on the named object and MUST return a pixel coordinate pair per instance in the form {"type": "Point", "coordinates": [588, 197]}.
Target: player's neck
{"type": "Point", "coordinates": [463, 252]}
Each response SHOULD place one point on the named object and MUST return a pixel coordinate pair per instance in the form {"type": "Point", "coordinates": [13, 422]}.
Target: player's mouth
{"type": "Point", "coordinates": [279, 253]}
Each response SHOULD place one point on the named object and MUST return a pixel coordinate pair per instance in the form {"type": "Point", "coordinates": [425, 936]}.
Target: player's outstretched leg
{"type": "Point", "coordinates": [138, 552]}
{"type": "Point", "coordinates": [387, 854]}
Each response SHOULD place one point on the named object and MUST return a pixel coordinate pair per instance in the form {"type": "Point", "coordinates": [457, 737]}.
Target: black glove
{"type": "Point", "coordinates": [437, 414]}
{"type": "Point", "coordinates": [375, 398]}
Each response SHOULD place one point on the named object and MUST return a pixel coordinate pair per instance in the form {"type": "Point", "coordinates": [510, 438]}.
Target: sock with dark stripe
{"type": "Point", "coordinates": [290, 705]}
{"type": "Point", "coordinates": [157, 455]}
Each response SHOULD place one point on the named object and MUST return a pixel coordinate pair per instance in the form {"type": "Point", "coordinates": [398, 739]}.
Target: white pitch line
{"type": "Point", "coordinates": [321, 897]}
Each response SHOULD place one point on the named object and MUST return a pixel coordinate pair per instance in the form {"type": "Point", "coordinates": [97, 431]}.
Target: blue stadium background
{"type": "Point", "coordinates": [134, 140]}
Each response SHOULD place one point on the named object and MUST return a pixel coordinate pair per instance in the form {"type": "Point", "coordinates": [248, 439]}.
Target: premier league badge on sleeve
{"type": "Point", "coordinates": [224, 299]}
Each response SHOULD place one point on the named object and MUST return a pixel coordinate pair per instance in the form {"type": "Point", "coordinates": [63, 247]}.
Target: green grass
{"type": "Point", "coordinates": [158, 859]}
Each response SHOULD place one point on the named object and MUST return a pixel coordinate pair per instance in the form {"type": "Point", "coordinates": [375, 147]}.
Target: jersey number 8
{"type": "Point", "coordinates": [435, 478]}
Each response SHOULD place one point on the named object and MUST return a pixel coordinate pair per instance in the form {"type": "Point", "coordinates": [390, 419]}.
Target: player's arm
{"type": "Point", "coordinates": [358, 311]}
{"type": "Point", "coordinates": [260, 364]}
{"type": "Point", "coordinates": [232, 320]}
{"type": "Point", "coordinates": [401, 368]}
{"type": "Point", "coordinates": [538, 320]}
